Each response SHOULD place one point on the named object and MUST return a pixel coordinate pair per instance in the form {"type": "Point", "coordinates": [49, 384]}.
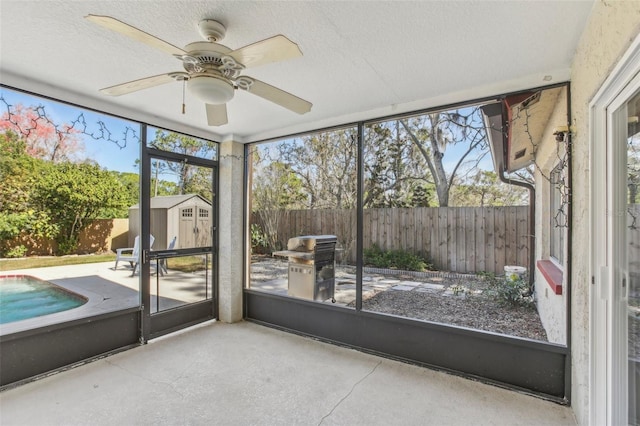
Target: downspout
{"type": "Point", "coordinates": [516, 182]}
{"type": "Point", "coordinates": [532, 221]}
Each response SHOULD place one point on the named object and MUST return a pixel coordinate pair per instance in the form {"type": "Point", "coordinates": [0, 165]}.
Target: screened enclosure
{"type": "Point", "coordinates": [434, 242]}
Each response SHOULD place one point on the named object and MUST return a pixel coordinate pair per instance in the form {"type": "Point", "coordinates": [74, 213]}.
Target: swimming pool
{"type": "Point", "coordinates": [23, 297]}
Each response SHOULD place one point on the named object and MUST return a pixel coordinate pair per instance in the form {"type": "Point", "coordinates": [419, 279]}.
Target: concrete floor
{"type": "Point", "coordinates": [247, 374]}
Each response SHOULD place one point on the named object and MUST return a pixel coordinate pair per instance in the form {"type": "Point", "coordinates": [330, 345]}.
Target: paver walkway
{"type": "Point", "coordinates": [271, 275]}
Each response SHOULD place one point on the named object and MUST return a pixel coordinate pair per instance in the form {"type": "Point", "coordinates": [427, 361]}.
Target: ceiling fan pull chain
{"type": "Point", "coordinates": [184, 83]}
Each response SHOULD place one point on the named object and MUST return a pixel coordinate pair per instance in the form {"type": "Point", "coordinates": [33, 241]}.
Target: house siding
{"type": "Point", "coordinates": [551, 306]}
{"type": "Point", "coordinates": [611, 28]}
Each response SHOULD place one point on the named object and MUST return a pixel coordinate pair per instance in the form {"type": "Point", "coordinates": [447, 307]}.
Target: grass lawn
{"type": "Point", "coordinates": [42, 262]}
{"type": "Point", "coordinates": [187, 263]}
{"type": "Point", "coordinates": [183, 264]}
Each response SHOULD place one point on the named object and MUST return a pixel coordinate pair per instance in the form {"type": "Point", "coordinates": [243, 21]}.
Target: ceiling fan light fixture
{"type": "Point", "coordinates": [210, 89]}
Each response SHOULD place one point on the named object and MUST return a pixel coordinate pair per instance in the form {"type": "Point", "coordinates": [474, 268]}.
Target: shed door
{"type": "Point", "coordinates": [203, 226]}
{"type": "Point", "coordinates": [195, 226]}
{"type": "Point", "coordinates": [187, 230]}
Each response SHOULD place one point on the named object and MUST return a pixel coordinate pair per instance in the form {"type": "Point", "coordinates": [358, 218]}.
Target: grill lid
{"type": "Point", "coordinates": [309, 242]}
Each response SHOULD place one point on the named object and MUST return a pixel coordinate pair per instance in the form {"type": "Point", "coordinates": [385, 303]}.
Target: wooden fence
{"type": "Point", "coordinates": [456, 239]}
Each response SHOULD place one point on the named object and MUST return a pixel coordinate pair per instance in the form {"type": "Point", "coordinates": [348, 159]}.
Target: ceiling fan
{"type": "Point", "coordinates": [211, 70]}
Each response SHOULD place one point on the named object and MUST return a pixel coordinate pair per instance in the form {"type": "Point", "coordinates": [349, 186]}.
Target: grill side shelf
{"type": "Point", "coordinates": [305, 255]}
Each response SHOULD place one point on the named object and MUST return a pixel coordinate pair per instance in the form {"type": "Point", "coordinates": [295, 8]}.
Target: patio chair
{"type": "Point", "coordinates": [131, 254]}
{"type": "Point", "coordinates": [163, 262]}
{"type": "Point", "coordinates": [160, 264]}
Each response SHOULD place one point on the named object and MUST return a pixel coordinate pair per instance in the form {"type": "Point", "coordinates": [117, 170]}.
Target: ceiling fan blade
{"type": "Point", "coordinates": [135, 85]}
{"type": "Point", "coordinates": [216, 114]}
{"type": "Point", "coordinates": [274, 49]}
{"type": "Point", "coordinates": [135, 33]}
{"type": "Point", "coordinates": [280, 97]}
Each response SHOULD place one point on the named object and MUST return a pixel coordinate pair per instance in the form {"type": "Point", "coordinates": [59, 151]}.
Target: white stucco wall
{"type": "Point", "coordinates": [551, 306]}
{"type": "Point", "coordinates": [611, 28]}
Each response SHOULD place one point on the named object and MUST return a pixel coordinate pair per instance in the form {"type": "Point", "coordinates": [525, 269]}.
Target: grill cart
{"type": "Point", "coordinates": [312, 264]}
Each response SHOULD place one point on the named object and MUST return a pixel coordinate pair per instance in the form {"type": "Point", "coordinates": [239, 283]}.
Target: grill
{"type": "Point", "coordinates": [312, 260]}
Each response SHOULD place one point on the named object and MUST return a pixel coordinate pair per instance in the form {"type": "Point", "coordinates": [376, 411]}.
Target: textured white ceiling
{"type": "Point", "coordinates": [361, 59]}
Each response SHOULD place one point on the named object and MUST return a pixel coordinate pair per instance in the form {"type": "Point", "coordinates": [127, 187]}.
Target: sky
{"type": "Point", "coordinates": [119, 153]}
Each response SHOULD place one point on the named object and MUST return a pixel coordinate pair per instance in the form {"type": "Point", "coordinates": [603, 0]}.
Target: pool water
{"type": "Point", "coordinates": [23, 297]}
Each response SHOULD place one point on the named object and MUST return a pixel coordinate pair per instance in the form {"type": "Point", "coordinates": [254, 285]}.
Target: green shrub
{"type": "Point", "coordinates": [259, 240]}
{"type": "Point", "coordinates": [394, 259]}
{"type": "Point", "coordinates": [511, 290]}
{"type": "Point", "coordinates": [17, 251]}
{"type": "Point", "coordinates": [67, 245]}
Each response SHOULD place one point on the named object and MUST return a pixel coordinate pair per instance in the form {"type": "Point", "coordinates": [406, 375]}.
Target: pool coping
{"type": "Point", "coordinates": [112, 297]}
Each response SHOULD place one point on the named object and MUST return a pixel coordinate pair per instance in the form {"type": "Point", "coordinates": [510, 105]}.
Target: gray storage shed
{"type": "Point", "coordinates": [188, 217]}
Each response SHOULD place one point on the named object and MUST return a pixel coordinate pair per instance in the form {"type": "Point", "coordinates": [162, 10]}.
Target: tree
{"type": "Point", "coordinates": [43, 138]}
{"type": "Point", "coordinates": [436, 132]}
{"type": "Point", "coordinates": [130, 184]}
{"type": "Point", "coordinates": [484, 189]}
{"type": "Point", "coordinates": [276, 188]}
{"type": "Point", "coordinates": [200, 182]}
{"type": "Point", "coordinates": [46, 190]}
{"type": "Point", "coordinates": [19, 173]}
{"type": "Point", "coordinates": [394, 169]}
{"type": "Point", "coordinates": [73, 193]}
{"type": "Point", "coordinates": [326, 165]}
{"type": "Point", "coordinates": [190, 179]}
